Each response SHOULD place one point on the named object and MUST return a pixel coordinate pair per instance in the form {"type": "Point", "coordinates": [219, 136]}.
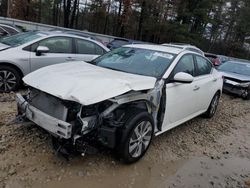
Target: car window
{"type": "Point", "coordinates": [87, 47]}
{"type": "Point", "coordinates": [235, 67]}
{"type": "Point", "coordinates": [136, 61]}
{"type": "Point", "coordinates": [3, 32]}
{"type": "Point", "coordinates": [186, 64]}
{"type": "Point", "coordinates": [10, 30]}
{"type": "Point", "coordinates": [20, 38]}
{"type": "Point", "coordinates": [56, 44]}
{"type": "Point", "coordinates": [99, 50]}
{"type": "Point", "coordinates": [203, 66]}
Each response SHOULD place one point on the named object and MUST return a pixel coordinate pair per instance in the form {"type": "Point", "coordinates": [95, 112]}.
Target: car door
{"type": "Point", "coordinates": [206, 82]}
{"type": "Point", "coordinates": [87, 50]}
{"type": "Point", "coordinates": [181, 98]}
{"type": "Point", "coordinates": [60, 50]}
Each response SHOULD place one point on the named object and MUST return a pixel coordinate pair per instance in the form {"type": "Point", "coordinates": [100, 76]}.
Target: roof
{"type": "Point", "coordinates": [180, 45]}
{"type": "Point", "coordinates": [160, 48]}
{"type": "Point", "coordinates": [61, 33]}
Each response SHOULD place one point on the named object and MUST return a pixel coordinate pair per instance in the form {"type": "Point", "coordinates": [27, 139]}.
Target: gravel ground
{"type": "Point", "coordinates": [200, 153]}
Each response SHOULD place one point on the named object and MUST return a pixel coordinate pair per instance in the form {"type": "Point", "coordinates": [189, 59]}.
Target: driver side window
{"type": "Point", "coordinates": [186, 64]}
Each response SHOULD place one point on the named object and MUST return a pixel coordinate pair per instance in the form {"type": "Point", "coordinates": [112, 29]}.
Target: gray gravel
{"type": "Point", "coordinates": [200, 153]}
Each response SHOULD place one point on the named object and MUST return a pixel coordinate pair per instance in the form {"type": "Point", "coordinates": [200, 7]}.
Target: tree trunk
{"type": "Point", "coordinates": [66, 7]}
{"type": "Point", "coordinates": [73, 13]}
{"type": "Point", "coordinates": [141, 19]}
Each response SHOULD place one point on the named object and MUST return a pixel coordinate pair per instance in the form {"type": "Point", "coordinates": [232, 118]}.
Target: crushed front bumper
{"type": "Point", "coordinates": [53, 125]}
{"type": "Point", "coordinates": [234, 88]}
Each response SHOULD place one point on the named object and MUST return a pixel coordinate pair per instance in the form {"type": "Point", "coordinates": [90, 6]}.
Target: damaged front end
{"type": "Point", "coordinates": [76, 127]}
{"type": "Point", "coordinates": [237, 87]}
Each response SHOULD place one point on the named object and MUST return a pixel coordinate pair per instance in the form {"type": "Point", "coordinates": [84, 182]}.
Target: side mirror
{"type": "Point", "coordinates": [183, 77]}
{"type": "Point", "coordinates": [41, 50]}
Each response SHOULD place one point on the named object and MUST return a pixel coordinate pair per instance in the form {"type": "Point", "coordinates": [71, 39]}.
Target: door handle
{"type": "Point", "coordinates": [70, 59]}
{"type": "Point", "coordinates": [215, 79]}
{"type": "Point", "coordinates": [196, 88]}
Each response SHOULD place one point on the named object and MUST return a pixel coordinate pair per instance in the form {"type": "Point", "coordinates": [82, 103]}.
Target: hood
{"type": "Point", "coordinates": [240, 77]}
{"type": "Point", "coordinates": [3, 46]}
{"type": "Point", "coordinates": [85, 83]}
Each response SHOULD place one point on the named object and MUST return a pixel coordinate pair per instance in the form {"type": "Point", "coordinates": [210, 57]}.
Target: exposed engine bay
{"type": "Point", "coordinates": [77, 127]}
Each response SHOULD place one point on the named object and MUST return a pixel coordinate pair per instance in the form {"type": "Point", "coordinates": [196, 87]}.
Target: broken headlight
{"type": "Point", "coordinates": [247, 84]}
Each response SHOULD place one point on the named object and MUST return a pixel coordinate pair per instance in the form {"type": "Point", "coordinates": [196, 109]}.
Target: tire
{"type": "Point", "coordinates": [133, 145]}
{"type": "Point", "coordinates": [247, 96]}
{"type": "Point", "coordinates": [10, 79]}
{"type": "Point", "coordinates": [213, 106]}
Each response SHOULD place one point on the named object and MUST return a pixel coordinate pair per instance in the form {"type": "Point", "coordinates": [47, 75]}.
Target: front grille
{"type": "Point", "coordinates": [48, 104]}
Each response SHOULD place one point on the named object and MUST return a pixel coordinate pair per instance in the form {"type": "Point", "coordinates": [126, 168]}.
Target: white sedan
{"type": "Point", "coordinates": [121, 99]}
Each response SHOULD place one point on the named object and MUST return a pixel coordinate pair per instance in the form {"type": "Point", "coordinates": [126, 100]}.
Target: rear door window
{"type": "Point", "coordinates": [3, 32]}
{"type": "Point", "coordinates": [87, 47]}
{"type": "Point", "coordinates": [10, 30]}
{"type": "Point", "coordinates": [203, 66]}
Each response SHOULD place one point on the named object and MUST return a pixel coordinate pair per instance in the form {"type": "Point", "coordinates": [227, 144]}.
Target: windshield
{"type": "Point", "coordinates": [235, 67]}
{"type": "Point", "coordinates": [136, 61]}
{"type": "Point", "coordinates": [21, 38]}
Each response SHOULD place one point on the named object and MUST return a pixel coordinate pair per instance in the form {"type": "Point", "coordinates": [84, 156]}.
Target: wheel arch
{"type": "Point", "coordinates": [18, 69]}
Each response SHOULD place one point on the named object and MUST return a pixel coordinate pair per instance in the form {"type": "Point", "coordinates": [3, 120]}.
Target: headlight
{"type": "Point", "coordinates": [244, 84]}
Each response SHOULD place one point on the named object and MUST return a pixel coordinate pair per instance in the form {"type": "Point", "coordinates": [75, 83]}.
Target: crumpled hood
{"type": "Point", "coordinates": [85, 83]}
{"type": "Point", "coordinates": [243, 78]}
{"type": "Point", "coordinates": [3, 46]}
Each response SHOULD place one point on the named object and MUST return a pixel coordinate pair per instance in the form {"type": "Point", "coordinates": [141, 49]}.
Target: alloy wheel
{"type": "Point", "coordinates": [214, 104]}
{"type": "Point", "coordinates": [8, 80]}
{"type": "Point", "coordinates": [140, 138]}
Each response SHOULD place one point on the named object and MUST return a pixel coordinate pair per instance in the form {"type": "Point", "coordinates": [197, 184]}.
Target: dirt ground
{"type": "Point", "coordinates": [200, 153]}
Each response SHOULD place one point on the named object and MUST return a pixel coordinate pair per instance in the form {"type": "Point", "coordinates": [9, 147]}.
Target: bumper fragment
{"type": "Point", "coordinates": [53, 125]}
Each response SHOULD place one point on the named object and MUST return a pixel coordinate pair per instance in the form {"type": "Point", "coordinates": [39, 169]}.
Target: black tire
{"type": "Point", "coordinates": [213, 106]}
{"type": "Point", "coordinates": [136, 120]}
{"type": "Point", "coordinates": [10, 79]}
{"type": "Point", "coordinates": [247, 96]}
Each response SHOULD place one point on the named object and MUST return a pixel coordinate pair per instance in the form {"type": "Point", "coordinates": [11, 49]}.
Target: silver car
{"type": "Point", "coordinates": [26, 52]}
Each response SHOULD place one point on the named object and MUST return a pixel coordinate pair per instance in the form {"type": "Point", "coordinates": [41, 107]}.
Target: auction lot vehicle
{"type": "Point", "coordinates": [121, 99]}
{"type": "Point", "coordinates": [26, 52]}
{"type": "Point", "coordinates": [236, 78]}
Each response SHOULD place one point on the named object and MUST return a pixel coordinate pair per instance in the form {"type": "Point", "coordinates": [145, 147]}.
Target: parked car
{"type": "Point", "coordinates": [122, 98]}
{"type": "Point", "coordinates": [25, 52]}
{"type": "Point", "coordinates": [217, 59]}
{"type": "Point", "coordinates": [185, 47]}
{"type": "Point", "coordinates": [118, 42]}
{"type": "Point", "coordinates": [8, 30]}
{"type": "Point", "coordinates": [213, 58]}
{"type": "Point", "coordinates": [236, 78]}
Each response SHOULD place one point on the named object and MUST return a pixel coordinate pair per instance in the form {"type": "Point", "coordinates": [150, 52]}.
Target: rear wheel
{"type": "Point", "coordinates": [10, 79]}
{"type": "Point", "coordinates": [213, 106]}
{"type": "Point", "coordinates": [137, 137]}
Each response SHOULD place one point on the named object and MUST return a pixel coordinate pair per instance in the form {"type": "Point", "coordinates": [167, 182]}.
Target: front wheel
{"type": "Point", "coordinates": [213, 106]}
{"type": "Point", "coordinates": [10, 79]}
{"type": "Point", "coordinates": [137, 137]}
